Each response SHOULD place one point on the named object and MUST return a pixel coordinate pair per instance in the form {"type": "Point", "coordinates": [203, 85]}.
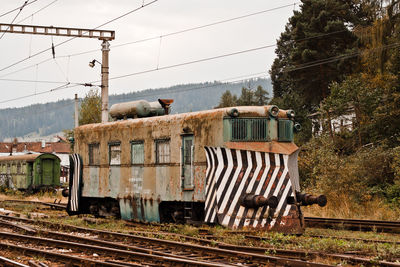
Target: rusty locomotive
{"type": "Point", "coordinates": [232, 166]}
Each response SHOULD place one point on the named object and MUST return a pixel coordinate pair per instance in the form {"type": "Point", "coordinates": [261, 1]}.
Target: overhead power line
{"type": "Point", "coordinates": [34, 81]}
{"type": "Point", "coordinates": [17, 8]}
{"type": "Point", "coordinates": [70, 39]}
{"type": "Point", "coordinates": [116, 46]}
{"type": "Point", "coordinates": [34, 13]}
{"type": "Point", "coordinates": [19, 12]}
{"type": "Point", "coordinates": [206, 25]}
{"type": "Point", "coordinates": [191, 62]}
{"type": "Point", "coordinates": [68, 85]}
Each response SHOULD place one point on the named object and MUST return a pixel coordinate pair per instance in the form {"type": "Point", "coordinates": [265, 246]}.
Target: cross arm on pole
{"type": "Point", "coordinates": [58, 31]}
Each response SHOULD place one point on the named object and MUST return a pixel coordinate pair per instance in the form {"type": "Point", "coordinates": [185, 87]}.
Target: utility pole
{"type": "Point", "coordinates": [76, 111]}
{"type": "Point", "coordinates": [102, 35]}
{"type": "Point", "coordinates": [105, 48]}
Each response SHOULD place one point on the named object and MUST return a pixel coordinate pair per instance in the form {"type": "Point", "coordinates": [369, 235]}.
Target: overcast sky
{"type": "Point", "coordinates": [157, 19]}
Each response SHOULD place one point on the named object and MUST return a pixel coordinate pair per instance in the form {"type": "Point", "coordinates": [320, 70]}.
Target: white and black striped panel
{"type": "Point", "coordinates": [75, 182]}
{"type": "Point", "coordinates": [234, 173]}
{"type": "Point", "coordinates": [210, 211]}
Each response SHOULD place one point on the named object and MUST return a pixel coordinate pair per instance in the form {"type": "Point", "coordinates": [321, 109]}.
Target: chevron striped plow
{"type": "Point", "coordinates": [75, 184]}
{"type": "Point", "coordinates": [249, 189]}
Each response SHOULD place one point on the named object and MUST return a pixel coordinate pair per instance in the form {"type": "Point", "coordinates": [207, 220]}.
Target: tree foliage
{"type": "Point", "coordinates": [309, 50]}
{"type": "Point", "coordinates": [90, 108]}
{"type": "Point", "coordinates": [248, 97]}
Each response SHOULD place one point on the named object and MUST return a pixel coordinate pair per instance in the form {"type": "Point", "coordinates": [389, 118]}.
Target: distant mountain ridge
{"type": "Point", "coordinates": [50, 118]}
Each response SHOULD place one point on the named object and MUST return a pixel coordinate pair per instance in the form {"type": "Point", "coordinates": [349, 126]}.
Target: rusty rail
{"type": "Point", "coordinates": [56, 256]}
{"type": "Point", "coordinates": [9, 262]}
{"type": "Point", "coordinates": [201, 255]}
{"type": "Point", "coordinates": [133, 255]}
{"type": "Point", "coordinates": [58, 206]}
{"type": "Point", "coordinates": [354, 224]}
{"type": "Point", "coordinates": [222, 248]}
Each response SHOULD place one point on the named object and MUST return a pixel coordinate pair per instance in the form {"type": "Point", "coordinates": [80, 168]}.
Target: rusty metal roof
{"type": "Point", "coordinates": [27, 157]}
{"type": "Point", "coordinates": [244, 111]}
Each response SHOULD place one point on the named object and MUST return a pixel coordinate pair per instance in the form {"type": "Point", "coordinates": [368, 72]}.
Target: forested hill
{"type": "Point", "coordinates": [49, 118]}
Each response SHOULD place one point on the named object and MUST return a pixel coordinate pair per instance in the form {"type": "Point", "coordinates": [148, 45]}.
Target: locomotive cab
{"type": "Point", "coordinates": [231, 166]}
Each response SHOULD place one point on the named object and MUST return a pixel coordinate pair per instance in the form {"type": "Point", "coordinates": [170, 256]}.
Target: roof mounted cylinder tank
{"type": "Point", "coordinates": [140, 109]}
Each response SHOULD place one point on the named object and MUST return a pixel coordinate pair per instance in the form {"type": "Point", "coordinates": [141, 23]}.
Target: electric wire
{"type": "Point", "coordinates": [17, 8]}
{"type": "Point", "coordinates": [191, 62]}
{"type": "Point", "coordinates": [289, 69]}
{"type": "Point", "coordinates": [35, 81]}
{"type": "Point", "coordinates": [68, 85]}
{"type": "Point", "coordinates": [215, 84]}
{"type": "Point", "coordinates": [34, 13]}
{"type": "Point", "coordinates": [143, 40]}
{"type": "Point", "coordinates": [19, 12]}
{"type": "Point", "coordinates": [180, 31]}
{"type": "Point", "coordinates": [205, 25]}
{"type": "Point", "coordinates": [72, 38]}
{"type": "Point", "coordinates": [64, 86]}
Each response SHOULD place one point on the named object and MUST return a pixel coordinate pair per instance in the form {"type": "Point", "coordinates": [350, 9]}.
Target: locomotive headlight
{"type": "Point", "coordinates": [290, 113]}
{"type": "Point", "coordinates": [234, 112]}
{"type": "Point", "coordinates": [273, 111]}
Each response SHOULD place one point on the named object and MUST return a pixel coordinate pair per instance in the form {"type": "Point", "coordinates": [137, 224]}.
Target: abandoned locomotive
{"type": "Point", "coordinates": [232, 166]}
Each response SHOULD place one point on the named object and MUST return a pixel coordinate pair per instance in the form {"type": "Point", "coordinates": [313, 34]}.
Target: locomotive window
{"type": "Point", "coordinates": [162, 151]}
{"type": "Point", "coordinates": [94, 154]}
{"type": "Point", "coordinates": [137, 152]}
{"type": "Point", "coordinates": [115, 153]}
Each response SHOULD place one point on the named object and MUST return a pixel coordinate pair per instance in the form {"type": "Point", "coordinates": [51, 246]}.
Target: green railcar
{"type": "Point", "coordinates": [30, 172]}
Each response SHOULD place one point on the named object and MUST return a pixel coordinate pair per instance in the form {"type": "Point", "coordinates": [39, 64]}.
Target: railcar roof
{"type": "Point", "coordinates": [27, 157]}
{"type": "Point", "coordinates": [244, 111]}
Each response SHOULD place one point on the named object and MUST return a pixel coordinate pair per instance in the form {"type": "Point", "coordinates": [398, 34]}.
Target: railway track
{"type": "Point", "coordinates": [348, 224]}
{"type": "Point", "coordinates": [220, 253]}
{"type": "Point", "coordinates": [150, 250]}
{"type": "Point", "coordinates": [54, 205]}
{"type": "Point", "coordinates": [354, 224]}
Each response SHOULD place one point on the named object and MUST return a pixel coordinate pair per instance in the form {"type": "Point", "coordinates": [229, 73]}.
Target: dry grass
{"type": "Point", "coordinates": [41, 196]}
{"type": "Point", "coordinates": [342, 207]}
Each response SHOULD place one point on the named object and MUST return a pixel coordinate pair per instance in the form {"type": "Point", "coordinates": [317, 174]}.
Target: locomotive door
{"type": "Point", "coordinates": [187, 158]}
{"type": "Point", "coordinates": [47, 172]}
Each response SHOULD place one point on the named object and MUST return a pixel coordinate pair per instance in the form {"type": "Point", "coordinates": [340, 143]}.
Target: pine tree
{"type": "Point", "coordinates": [227, 100]}
{"type": "Point", "coordinates": [299, 50]}
{"type": "Point", "coordinates": [261, 96]}
{"type": "Point", "coordinates": [246, 98]}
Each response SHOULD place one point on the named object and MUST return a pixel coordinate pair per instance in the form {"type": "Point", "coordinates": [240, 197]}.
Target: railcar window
{"type": "Point", "coordinates": [162, 151]}
{"type": "Point", "coordinates": [137, 150]}
{"type": "Point", "coordinates": [115, 153]}
{"type": "Point", "coordinates": [188, 151]}
{"type": "Point", "coordinates": [94, 154]}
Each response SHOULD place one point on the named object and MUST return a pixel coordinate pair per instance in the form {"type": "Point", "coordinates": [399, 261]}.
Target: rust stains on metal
{"type": "Point", "coordinates": [270, 147]}
{"type": "Point", "coordinates": [28, 157]}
